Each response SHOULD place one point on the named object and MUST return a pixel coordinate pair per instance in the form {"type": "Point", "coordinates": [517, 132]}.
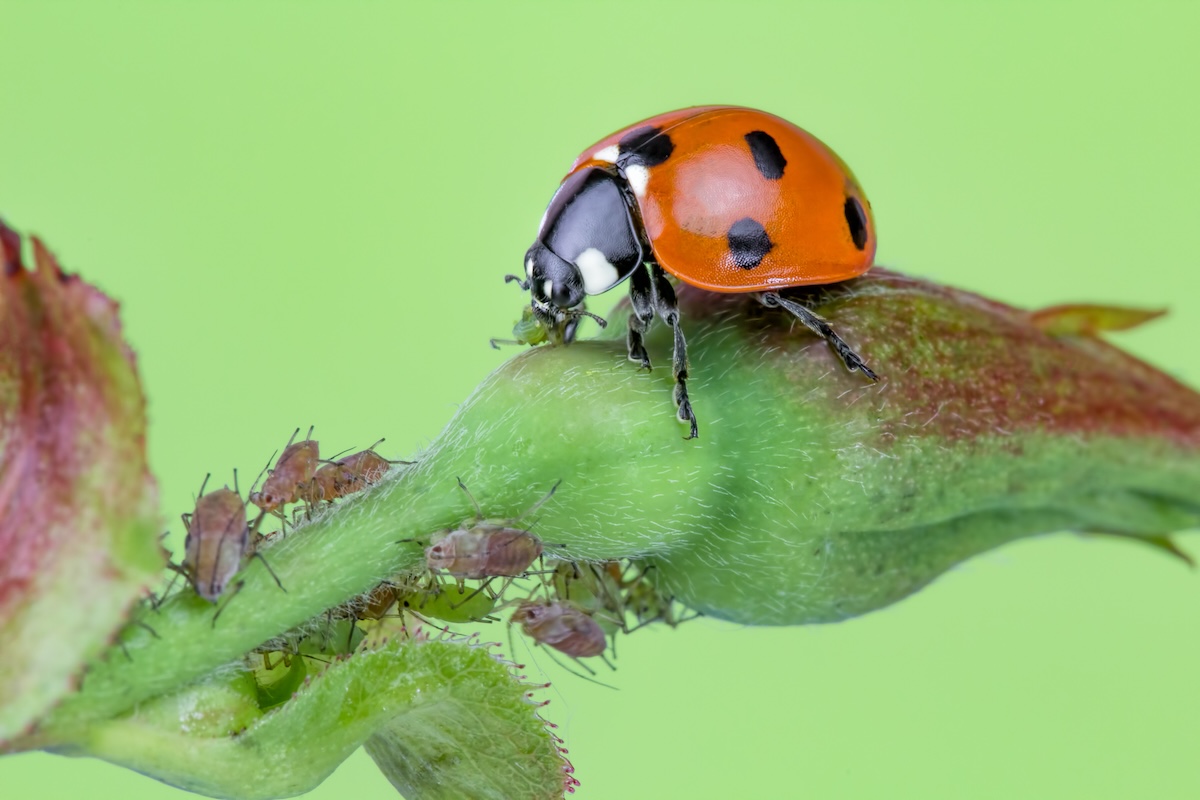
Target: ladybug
{"type": "Point", "coordinates": [724, 198]}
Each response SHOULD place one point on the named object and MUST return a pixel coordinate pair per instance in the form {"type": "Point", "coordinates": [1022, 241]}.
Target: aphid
{"type": "Point", "coordinates": [563, 626]}
{"type": "Point", "coordinates": [482, 548]}
{"type": "Point", "coordinates": [291, 479]}
{"type": "Point", "coordinates": [451, 603]}
{"type": "Point", "coordinates": [724, 198]}
{"type": "Point", "coordinates": [348, 475]}
{"type": "Point", "coordinates": [218, 542]}
{"type": "Point", "coordinates": [531, 330]}
{"type": "Point", "coordinates": [378, 601]}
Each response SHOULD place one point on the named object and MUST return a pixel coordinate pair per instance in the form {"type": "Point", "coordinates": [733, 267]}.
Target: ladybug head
{"type": "Point", "coordinates": [589, 240]}
{"type": "Point", "coordinates": [552, 280]}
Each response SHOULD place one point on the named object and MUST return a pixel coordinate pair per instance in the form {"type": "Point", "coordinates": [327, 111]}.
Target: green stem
{"type": "Point", "coordinates": [811, 495]}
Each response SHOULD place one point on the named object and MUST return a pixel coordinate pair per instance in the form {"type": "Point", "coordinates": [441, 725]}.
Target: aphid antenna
{"type": "Point", "coordinates": [295, 433]}
{"type": "Point", "coordinates": [406, 541]}
{"type": "Point", "coordinates": [202, 485]}
{"type": "Point", "coordinates": [471, 497]}
{"type": "Point", "coordinates": [333, 458]}
{"type": "Point", "coordinates": [541, 502]}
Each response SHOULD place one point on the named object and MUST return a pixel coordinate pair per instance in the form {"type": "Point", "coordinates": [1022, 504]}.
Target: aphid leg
{"type": "Point", "coordinates": [668, 311]}
{"type": "Point", "coordinates": [467, 492]}
{"type": "Point", "coordinates": [237, 587]}
{"type": "Point", "coordinates": [818, 325]}
{"type": "Point", "coordinates": [178, 570]}
{"type": "Point", "coordinates": [580, 674]}
{"type": "Point", "coordinates": [486, 583]}
{"type": "Point", "coordinates": [259, 556]}
{"type": "Point", "coordinates": [641, 295]}
{"type": "Point", "coordinates": [142, 624]}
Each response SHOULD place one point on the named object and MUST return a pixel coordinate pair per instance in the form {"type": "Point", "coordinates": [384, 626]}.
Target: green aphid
{"type": "Point", "coordinates": [449, 603]}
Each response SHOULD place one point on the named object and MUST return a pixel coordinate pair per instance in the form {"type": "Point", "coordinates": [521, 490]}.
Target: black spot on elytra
{"type": "Point", "coordinates": [748, 243]}
{"type": "Point", "coordinates": [767, 158]}
{"type": "Point", "coordinates": [645, 147]}
{"type": "Point", "coordinates": [856, 218]}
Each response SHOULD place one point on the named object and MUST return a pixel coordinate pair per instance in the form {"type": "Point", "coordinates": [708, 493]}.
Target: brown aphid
{"type": "Point", "coordinates": [485, 549]}
{"type": "Point", "coordinates": [218, 538]}
{"type": "Point", "coordinates": [292, 478]}
{"type": "Point", "coordinates": [379, 601]}
{"type": "Point", "coordinates": [562, 626]}
{"type": "Point", "coordinates": [351, 474]}
{"type": "Point", "coordinates": [218, 542]}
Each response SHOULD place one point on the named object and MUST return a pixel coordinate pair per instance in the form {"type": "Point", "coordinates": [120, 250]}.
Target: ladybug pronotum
{"type": "Point", "coordinates": [724, 198]}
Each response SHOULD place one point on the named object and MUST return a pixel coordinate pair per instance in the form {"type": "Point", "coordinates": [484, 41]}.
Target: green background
{"type": "Point", "coordinates": [306, 210]}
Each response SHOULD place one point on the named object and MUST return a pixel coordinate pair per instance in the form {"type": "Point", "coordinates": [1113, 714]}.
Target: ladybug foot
{"type": "Point", "coordinates": [685, 415]}
{"type": "Point", "coordinates": [853, 361]}
{"type": "Point", "coordinates": [638, 355]}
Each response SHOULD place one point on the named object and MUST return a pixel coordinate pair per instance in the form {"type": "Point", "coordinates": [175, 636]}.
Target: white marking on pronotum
{"type": "Point", "coordinates": [598, 274]}
{"type": "Point", "coordinates": [608, 154]}
{"type": "Point", "coordinates": [547, 287]}
{"type": "Point", "coordinates": [529, 267]}
{"type": "Point", "coordinates": [638, 176]}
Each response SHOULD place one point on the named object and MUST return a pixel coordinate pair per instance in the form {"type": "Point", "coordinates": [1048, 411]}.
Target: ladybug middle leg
{"type": "Point", "coordinates": [641, 296]}
{"type": "Point", "coordinates": [668, 311]}
{"type": "Point", "coordinates": [818, 325]}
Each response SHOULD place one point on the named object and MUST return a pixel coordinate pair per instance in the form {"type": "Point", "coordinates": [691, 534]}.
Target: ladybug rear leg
{"type": "Point", "coordinates": [817, 324]}
{"type": "Point", "coordinates": [641, 296]}
{"type": "Point", "coordinates": [668, 311]}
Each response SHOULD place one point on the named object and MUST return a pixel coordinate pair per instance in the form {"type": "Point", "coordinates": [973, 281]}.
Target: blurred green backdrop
{"type": "Point", "coordinates": [306, 210]}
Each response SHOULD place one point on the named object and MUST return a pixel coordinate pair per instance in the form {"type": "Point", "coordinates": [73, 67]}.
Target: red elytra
{"type": "Point", "coordinates": [725, 198]}
{"type": "Point", "coordinates": [716, 176]}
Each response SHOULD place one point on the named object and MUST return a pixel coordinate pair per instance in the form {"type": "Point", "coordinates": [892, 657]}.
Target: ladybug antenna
{"type": "Point", "coordinates": [579, 312]}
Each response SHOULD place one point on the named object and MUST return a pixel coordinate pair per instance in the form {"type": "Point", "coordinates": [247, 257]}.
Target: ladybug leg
{"type": "Point", "coordinates": [668, 311]}
{"type": "Point", "coordinates": [817, 324]}
{"type": "Point", "coordinates": [524, 284]}
{"type": "Point", "coordinates": [641, 295]}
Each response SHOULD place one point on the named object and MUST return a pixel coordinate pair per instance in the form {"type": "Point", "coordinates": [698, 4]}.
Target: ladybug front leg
{"type": "Point", "coordinates": [668, 311]}
{"type": "Point", "coordinates": [641, 296]}
{"type": "Point", "coordinates": [817, 324]}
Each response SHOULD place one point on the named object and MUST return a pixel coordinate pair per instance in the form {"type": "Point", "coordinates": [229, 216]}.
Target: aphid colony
{"type": "Point", "coordinates": [467, 573]}
{"type": "Point", "coordinates": [466, 577]}
{"type": "Point", "coordinates": [220, 537]}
